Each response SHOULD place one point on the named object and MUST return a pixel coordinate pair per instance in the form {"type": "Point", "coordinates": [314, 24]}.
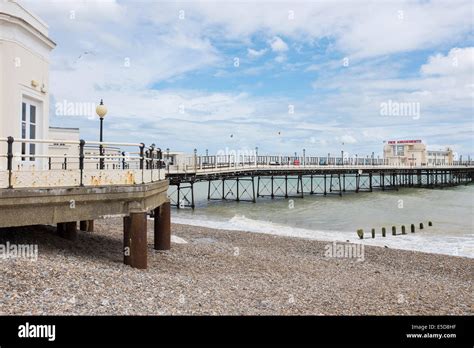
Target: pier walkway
{"type": "Point", "coordinates": [246, 179]}
{"type": "Point", "coordinates": [71, 191]}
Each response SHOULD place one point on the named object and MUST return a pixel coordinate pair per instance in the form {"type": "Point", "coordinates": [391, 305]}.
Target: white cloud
{"type": "Point", "coordinates": [457, 61]}
{"type": "Point", "coordinates": [278, 45]}
{"type": "Point", "coordinates": [359, 29]}
{"type": "Point", "coordinates": [347, 139]}
{"type": "Point", "coordinates": [161, 47]}
{"type": "Point", "coordinates": [280, 58]}
{"type": "Point", "coordinates": [254, 53]}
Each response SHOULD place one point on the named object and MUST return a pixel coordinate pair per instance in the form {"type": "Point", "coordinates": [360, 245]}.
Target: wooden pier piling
{"type": "Point", "coordinates": [90, 225]}
{"type": "Point", "coordinates": [162, 228]}
{"type": "Point", "coordinates": [83, 225]}
{"type": "Point", "coordinates": [70, 231]}
{"type": "Point", "coordinates": [138, 240]}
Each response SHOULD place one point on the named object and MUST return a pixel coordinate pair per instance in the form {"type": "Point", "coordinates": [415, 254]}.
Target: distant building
{"type": "Point", "coordinates": [414, 153]}
{"type": "Point", "coordinates": [440, 157]}
{"type": "Point", "coordinates": [60, 149]}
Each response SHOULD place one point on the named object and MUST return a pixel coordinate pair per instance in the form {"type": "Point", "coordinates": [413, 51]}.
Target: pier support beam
{"type": "Point", "coordinates": [90, 225]}
{"type": "Point", "coordinates": [86, 225]}
{"type": "Point", "coordinates": [69, 231]}
{"type": "Point", "coordinates": [137, 239]}
{"type": "Point", "coordinates": [325, 185]}
{"type": "Point", "coordinates": [83, 225]}
{"type": "Point", "coordinates": [163, 227]}
{"type": "Point", "coordinates": [253, 189]}
{"type": "Point", "coordinates": [272, 195]}
{"type": "Point", "coordinates": [60, 227]}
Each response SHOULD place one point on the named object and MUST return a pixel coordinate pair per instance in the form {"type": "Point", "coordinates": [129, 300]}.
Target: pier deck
{"type": "Point", "coordinates": [248, 181]}
{"type": "Point", "coordinates": [48, 190]}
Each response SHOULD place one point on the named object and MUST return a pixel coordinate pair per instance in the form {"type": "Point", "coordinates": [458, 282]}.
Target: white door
{"type": "Point", "coordinates": [30, 121]}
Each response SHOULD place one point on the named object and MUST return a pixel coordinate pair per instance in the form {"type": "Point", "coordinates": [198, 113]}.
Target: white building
{"type": "Point", "coordinates": [25, 47]}
{"type": "Point", "coordinates": [414, 153]}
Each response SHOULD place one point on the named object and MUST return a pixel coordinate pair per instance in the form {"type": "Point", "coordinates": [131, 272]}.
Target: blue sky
{"type": "Point", "coordinates": [282, 76]}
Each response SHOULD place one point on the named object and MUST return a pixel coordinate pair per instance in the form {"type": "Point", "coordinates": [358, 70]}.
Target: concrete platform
{"type": "Point", "coordinates": [66, 206]}
{"type": "Point", "coordinates": [35, 206]}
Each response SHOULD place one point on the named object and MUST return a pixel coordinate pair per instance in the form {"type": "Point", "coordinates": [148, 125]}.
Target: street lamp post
{"type": "Point", "coordinates": [101, 111]}
{"type": "Point", "coordinates": [168, 158]}
{"type": "Point", "coordinates": [304, 157]}
{"type": "Point", "coordinates": [195, 159]}
{"type": "Point", "coordinates": [256, 156]}
{"type": "Point", "coordinates": [152, 149]}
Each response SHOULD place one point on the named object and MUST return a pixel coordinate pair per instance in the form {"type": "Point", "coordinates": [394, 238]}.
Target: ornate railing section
{"type": "Point", "coordinates": [190, 163]}
{"type": "Point", "coordinates": [88, 163]}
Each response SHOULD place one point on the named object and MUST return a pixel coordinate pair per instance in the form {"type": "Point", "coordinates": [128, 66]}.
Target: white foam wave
{"type": "Point", "coordinates": [458, 246]}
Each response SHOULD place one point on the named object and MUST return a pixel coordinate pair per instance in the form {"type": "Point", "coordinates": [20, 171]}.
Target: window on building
{"type": "Point", "coordinates": [23, 129]}
{"type": "Point", "coordinates": [32, 130]}
{"type": "Point", "coordinates": [29, 130]}
{"type": "Point", "coordinates": [400, 150]}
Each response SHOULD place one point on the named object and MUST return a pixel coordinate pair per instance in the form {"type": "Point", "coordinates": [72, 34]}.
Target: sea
{"type": "Point", "coordinates": [335, 218]}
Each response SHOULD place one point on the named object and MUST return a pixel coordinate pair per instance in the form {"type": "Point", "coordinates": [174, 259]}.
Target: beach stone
{"type": "Point", "coordinates": [213, 281]}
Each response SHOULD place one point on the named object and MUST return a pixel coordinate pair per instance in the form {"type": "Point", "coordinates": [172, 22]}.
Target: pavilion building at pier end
{"type": "Point", "coordinates": [415, 153]}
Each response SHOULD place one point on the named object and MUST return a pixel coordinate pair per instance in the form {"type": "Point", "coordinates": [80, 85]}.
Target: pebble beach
{"type": "Point", "coordinates": [219, 272]}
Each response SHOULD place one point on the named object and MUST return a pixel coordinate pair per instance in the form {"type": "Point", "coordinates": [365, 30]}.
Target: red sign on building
{"type": "Point", "coordinates": [404, 142]}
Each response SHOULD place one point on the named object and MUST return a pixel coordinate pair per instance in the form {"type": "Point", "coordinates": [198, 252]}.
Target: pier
{"type": "Point", "coordinates": [72, 191]}
{"type": "Point", "coordinates": [246, 178]}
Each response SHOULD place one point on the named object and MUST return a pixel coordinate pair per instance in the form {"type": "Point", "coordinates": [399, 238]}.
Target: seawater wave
{"type": "Point", "coordinates": [334, 218]}
{"type": "Point", "coordinates": [457, 246]}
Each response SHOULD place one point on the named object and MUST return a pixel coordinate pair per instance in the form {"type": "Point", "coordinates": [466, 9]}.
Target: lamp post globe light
{"type": "Point", "coordinates": [101, 111]}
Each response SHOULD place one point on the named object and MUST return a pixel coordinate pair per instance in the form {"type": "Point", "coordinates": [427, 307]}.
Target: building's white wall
{"type": "Point", "coordinates": [440, 157]}
{"type": "Point", "coordinates": [15, 9]}
{"type": "Point", "coordinates": [24, 57]}
{"type": "Point", "coordinates": [417, 155]}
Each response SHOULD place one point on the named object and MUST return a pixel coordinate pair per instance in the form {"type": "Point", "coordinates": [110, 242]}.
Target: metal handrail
{"type": "Point", "coordinates": [149, 159]}
{"type": "Point", "coordinates": [71, 142]}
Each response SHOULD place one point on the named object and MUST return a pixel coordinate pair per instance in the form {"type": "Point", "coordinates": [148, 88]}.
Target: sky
{"type": "Point", "coordinates": [325, 76]}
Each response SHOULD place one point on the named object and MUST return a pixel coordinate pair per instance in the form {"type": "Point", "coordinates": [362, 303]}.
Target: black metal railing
{"type": "Point", "coordinates": [83, 161]}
